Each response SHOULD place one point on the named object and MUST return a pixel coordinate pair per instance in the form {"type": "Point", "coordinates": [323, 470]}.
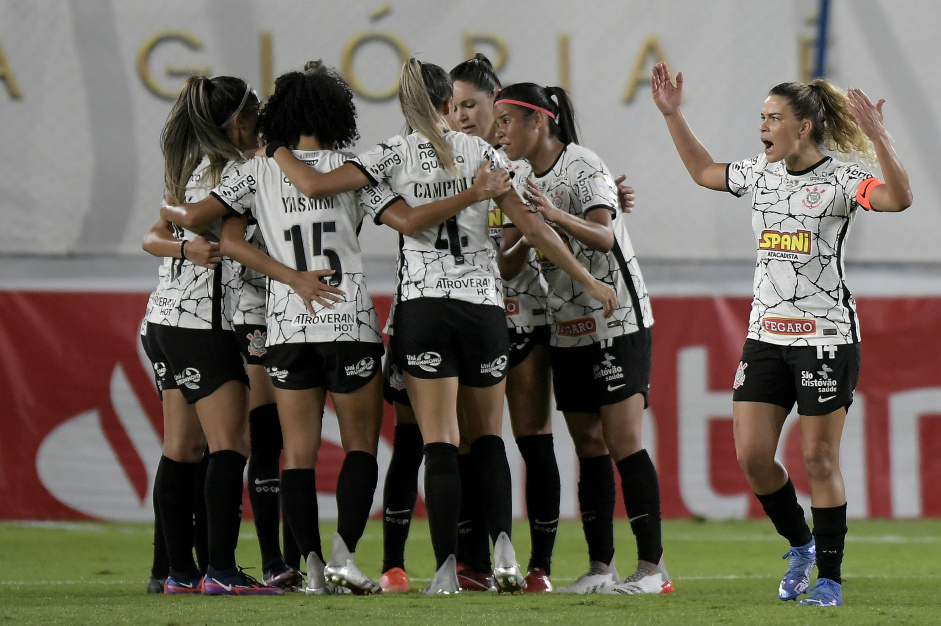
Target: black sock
{"type": "Point", "coordinates": [160, 568]}
{"type": "Point", "coordinates": [596, 503]}
{"type": "Point", "coordinates": [493, 478]}
{"type": "Point", "coordinates": [172, 485]}
{"type": "Point", "coordinates": [400, 493]}
{"type": "Point", "coordinates": [224, 507]}
{"type": "Point", "coordinates": [264, 483]}
{"type": "Point", "coordinates": [787, 515]}
{"type": "Point", "coordinates": [830, 537]}
{"type": "Point", "coordinates": [356, 486]}
{"type": "Point", "coordinates": [442, 498]}
{"type": "Point", "coordinates": [292, 554]}
{"type": "Point", "coordinates": [473, 540]}
{"type": "Point", "coordinates": [200, 521]}
{"type": "Point", "coordinates": [641, 492]}
{"type": "Point", "coordinates": [543, 494]}
{"type": "Point", "coordinates": [299, 492]}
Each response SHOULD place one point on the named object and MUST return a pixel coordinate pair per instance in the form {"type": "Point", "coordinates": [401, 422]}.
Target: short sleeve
{"type": "Point", "coordinates": [238, 187]}
{"type": "Point", "coordinates": [740, 176]}
{"type": "Point", "coordinates": [857, 183]}
{"type": "Point", "coordinates": [380, 162]}
{"type": "Point", "coordinates": [592, 184]}
{"type": "Point", "coordinates": [374, 199]}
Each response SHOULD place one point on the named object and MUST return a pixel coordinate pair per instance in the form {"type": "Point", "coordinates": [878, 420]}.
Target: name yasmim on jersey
{"type": "Point", "coordinates": [303, 203]}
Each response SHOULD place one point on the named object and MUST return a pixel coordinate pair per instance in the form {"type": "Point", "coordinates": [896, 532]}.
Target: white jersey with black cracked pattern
{"type": "Point", "coordinates": [525, 295]}
{"type": "Point", "coordinates": [189, 295]}
{"type": "Point", "coordinates": [253, 288]}
{"type": "Point", "coordinates": [800, 221]}
{"type": "Point", "coordinates": [579, 182]}
{"type": "Point", "coordinates": [455, 259]}
{"type": "Point", "coordinates": [309, 234]}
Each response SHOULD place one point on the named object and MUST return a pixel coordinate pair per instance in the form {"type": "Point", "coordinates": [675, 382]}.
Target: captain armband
{"type": "Point", "coordinates": [864, 192]}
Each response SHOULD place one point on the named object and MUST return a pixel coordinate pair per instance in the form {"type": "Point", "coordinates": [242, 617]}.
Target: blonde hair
{"type": "Point", "coordinates": [824, 105]}
{"type": "Point", "coordinates": [195, 128]}
{"type": "Point", "coordinates": [423, 89]}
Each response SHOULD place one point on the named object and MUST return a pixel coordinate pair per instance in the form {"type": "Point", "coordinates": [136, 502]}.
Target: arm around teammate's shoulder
{"type": "Point", "coordinates": [194, 216]}
{"type": "Point", "coordinates": [312, 183]}
{"type": "Point", "coordinates": [410, 220]}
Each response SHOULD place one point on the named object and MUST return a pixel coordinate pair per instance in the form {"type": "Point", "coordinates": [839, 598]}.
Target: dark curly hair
{"type": "Point", "coordinates": [314, 102]}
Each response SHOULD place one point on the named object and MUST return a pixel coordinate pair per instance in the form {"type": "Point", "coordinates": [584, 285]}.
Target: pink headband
{"type": "Point", "coordinates": [528, 106]}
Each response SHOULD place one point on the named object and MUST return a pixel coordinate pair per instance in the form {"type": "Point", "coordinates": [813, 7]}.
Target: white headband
{"type": "Point", "coordinates": [248, 90]}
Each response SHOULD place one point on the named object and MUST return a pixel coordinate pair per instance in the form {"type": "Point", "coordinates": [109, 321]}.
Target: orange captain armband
{"type": "Point", "coordinates": [864, 192]}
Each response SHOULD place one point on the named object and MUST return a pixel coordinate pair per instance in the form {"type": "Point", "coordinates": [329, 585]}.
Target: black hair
{"type": "Point", "coordinates": [314, 102]}
{"type": "Point", "coordinates": [477, 71]}
{"type": "Point", "coordinates": [552, 99]}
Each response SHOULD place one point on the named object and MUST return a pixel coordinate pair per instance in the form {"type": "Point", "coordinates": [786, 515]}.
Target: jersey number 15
{"type": "Point", "coordinates": [296, 237]}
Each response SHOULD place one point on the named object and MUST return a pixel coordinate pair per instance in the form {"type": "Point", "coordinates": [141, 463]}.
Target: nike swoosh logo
{"type": "Point", "coordinates": [826, 398]}
{"type": "Point", "coordinates": [266, 481]}
{"type": "Point", "coordinates": [615, 387]}
{"type": "Point", "coordinates": [223, 585]}
{"type": "Point", "coordinates": [391, 512]}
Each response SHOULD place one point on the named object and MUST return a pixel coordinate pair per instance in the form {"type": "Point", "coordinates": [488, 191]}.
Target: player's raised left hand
{"type": "Point", "coordinates": [867, 114]}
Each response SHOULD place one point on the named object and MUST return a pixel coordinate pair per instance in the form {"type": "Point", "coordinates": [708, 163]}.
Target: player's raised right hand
{"type": "Point", "coordinates": [665, 95]}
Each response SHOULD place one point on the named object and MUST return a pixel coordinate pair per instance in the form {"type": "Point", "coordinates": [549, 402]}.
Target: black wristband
{"type": "Point", "coordinates": [272, 147]}
{"type": "Point", "coordinates": [182, 251]}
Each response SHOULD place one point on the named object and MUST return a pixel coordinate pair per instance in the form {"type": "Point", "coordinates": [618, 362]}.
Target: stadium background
{"type": "Point", "coordinates": [85, 87]}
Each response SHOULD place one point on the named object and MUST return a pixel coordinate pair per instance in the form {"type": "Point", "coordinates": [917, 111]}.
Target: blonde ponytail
{"type": "Point", "coordinates": [834, 127]}
{"type": "Point", "coordinates": [422, 92]}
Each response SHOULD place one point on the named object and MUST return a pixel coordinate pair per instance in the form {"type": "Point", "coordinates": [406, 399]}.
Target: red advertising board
{"type": "Point", "coordinates": [81, 433]}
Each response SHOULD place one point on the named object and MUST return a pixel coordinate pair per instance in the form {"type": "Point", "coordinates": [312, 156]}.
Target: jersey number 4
{"type": "Point", "coordinates": [450, 238]}
{"type": "Point", "coordinates": [296, 237]}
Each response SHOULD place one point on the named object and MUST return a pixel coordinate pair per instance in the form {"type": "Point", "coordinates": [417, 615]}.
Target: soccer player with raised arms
{"type": "Point", "coordinates": [803, 343]}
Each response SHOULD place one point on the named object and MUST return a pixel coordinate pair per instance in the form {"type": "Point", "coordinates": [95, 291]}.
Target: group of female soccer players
{"type": "Point", "coordinates": [515, 279]}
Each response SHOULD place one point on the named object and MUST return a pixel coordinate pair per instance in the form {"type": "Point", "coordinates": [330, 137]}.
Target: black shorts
{"type": "Point", "coordinates": [195, 361]}
{"type": "Point", "coordinates": [440, 338]}
{"type": "Point", "coordinates": [820, 379]}
{"type": "Point", "coordinates": [587, 378]}
{"type": "Point", "coordinates": [339, 366]}
{"type": "Point", "coordinates": [252, 339]}
{"type": "Point", "coordinates": [393, 385]}
{"type": "Point", "coordinates": [523, 340]}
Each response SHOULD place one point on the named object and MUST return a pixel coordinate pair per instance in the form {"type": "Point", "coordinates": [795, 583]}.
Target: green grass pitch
{"type": "Point", "coordinates": [724, 572]}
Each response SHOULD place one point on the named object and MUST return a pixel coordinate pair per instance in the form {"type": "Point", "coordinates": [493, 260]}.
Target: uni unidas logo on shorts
{"type": "Point", "coordinates": [274, 372]}
{"type": "Point", "coordinates": [428, 361]}
{"type": "Point", "coordinates": [364, 368]}
{"type": "Point", "coordinates": [190, 377]}
{"type": "Point", "coordinates": [494, 368]}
